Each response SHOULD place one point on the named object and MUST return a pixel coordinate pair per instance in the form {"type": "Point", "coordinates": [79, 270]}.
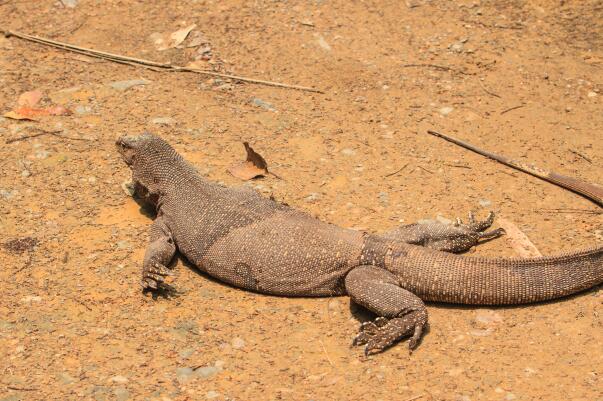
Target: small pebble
{"type": "Point", "coordinates": [163, 121]}
{"type": "Point", "coordinates": [119, 379]}
{"type": "Point", "coordinates": [484, 202]}
{"type": "Point", "coordinates": [312, 197]}
{"type": "Point", "coordinates": [238, 343]}
{"type": "Point", "coordinates": [348, 152]}
{"type": "Point", "coordinates": [207, 371]}
{"type": "Point", "coordinates": [212, 394]}
{"type": "Point", "coordinates": [260, 103]}
{"type": "Point", "coordinates": [446, 110]}
{"type": "Point", "coordinates": [69, 3]}
{"type": "Point", "coordinates": [121, 394]}
{"type": "Point", "coordinates": [125, 85]}
{"type": "Point", "coordinates": [185, 374]}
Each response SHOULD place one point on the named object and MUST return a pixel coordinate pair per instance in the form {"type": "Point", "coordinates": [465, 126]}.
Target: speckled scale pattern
{"type": "Point", "coordinates": [252, 242]}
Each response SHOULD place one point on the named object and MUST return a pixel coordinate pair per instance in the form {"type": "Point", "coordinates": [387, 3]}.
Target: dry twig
{"type": "Point", "coordinates": [153, 65]}
{"type": "Point", "coordinates": [511, 108]}
{"type": "Point", "coordinates": [581, 155]}
{"type": "Point", "coordinates": [486, 90]}
{"type": "Point", "coordinates": [43, 132]}
{"type": "Point", "coordinates": [438, 67]}
{"type": "Point", "coordinates": [397, 171]}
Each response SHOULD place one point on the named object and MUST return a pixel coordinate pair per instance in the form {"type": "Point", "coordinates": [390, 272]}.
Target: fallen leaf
{"type": "Point", "coordinates": [164, 41]}
{"type": "Point", "coordinates": [15, 116]}
{"type": "Point", "coordinates": [181, 34]}
{"type": "Point", "coordinates": [254, 166]}
{"type": "Point", "coordinates": [26, 109]}
{"type": "Point", "coordinates": [29, 99]}
{"type": "Point", "coordinates": [519, 241]}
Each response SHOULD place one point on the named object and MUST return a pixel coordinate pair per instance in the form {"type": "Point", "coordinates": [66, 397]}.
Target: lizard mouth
{"type": "Point", "coordinates": [125, 147]}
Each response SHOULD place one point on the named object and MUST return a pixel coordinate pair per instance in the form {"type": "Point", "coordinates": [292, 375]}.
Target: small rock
{"type": "Point", "coordinates": [82, 110]}
{"type": "Point", "coordinates": [456, 47]}
{"type": "Point", "coordinates": [322, 42]}
{"type": "Point", "coordinates": [125, 85]}
{"type": "Point", "coordinates": [123, 244]}
{"type": "Point", "coordinates": [119, 379]}
{"type": "Point", "coordinates": [8, 194]}
{"type": "Point", "coordinates": [487, 317]}
{"type": "Point", "coordinates": [238, 343]}
{"type": "Point", "coordinates": [484, 202]}
{"type": "Point", "coordinates": [207, 371]}
{"type": "Point", "coordinates": [219, 364]}
{"type": "Point", "coordinates": [31, 298]}
{"type": "Point", "coordinates": [510, 397]}
{"type": "Point", "coordinates": [463, 398]}
{"type": "Point", "coordinates": [263, 104]}
{"type": "Point", "coordinates": [25, 173]}
{"type": "Point", "coordinates": [163, 121]}
{"type": "Point", "coordinates": [185, 353]}
{"type": "Point", "coordinates": [348, 152]}
{"type": "Point", "coordinates": [121, 394]}
{"type": "Point", "coordinates": [592, 94]}
{"type": "Point", "coordinates": [384, 198]}
{"type": "Point", "coordinates": [312, 197]}
{"type": "Point", "coordinates": [42, 154]}
{"type": "Point", "coordinates": [69, 3]}
{"type": "Point", "coordinates": [446, 110]}
{"type": "Point", "coordinates": [185, 374]}
{"type": "Point", "coordinates": [65, 378]}
{"type": "Point", "coordinates": [212, 394]}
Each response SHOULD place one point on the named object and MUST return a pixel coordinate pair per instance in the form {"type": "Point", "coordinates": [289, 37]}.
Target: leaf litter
{"type": "Point", "coordinates": [253, 166]}
{"type": "Point", "coordinates": [28, 109]}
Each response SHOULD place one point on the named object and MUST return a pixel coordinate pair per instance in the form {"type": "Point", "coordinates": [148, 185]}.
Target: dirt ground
{"type": "Point", "coordinates": [523, 78]}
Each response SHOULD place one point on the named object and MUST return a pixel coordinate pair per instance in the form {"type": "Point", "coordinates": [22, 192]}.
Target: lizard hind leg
{"type": "Point", "coordinates": [401, 313]}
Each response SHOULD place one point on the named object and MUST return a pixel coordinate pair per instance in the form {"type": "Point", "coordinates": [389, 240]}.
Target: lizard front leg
{"type": "Point", "coordinates": [158, 255]}
{"type": "Point", "coordinates": [401, 313]}
{"type": "Point", "coordinates": [458, 237]}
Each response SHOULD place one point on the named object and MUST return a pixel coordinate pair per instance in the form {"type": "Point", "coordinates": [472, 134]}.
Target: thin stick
{"type": "Point", "coordinates": [581, 155]}
{"type": "Point", "coordinates": [486, 90]}
{"type": "Point", "coordinates": [416, 397]}
{"type": "Point", "coordinates": [586, 189]}
{"type": "Point", "coordinates": [397, 171]}
{"type": "Point", "coordinates": [437, 67]}
{"type": "Point", "coordinates": [43, 132]}
{"type": "Point", "coordinates": [424, 169]}
{"type": "Point", "coordinates": [511, 109]}
{"type": "Point", "coordinates": [118, 58]}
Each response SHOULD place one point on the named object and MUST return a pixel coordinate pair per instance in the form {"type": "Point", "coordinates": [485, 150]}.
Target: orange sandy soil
{"type": "Point", "coordinates": [73, 321]}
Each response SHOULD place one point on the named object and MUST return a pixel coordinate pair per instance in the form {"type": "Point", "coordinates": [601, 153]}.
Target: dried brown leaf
{"type": "Point", "coordinates": [519, 241]}
{"type": "Point", "coordinates": [164, 41]}
{"type": "Point", "coordinates": [254, 166]}
{"type": "Point", "coordinates": [29, 99]}
{"type": "Point", "coordinates": [26, 108]}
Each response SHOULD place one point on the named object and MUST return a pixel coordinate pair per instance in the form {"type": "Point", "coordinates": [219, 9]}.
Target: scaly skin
{"type": "Point", "coordinates": [252, 242]}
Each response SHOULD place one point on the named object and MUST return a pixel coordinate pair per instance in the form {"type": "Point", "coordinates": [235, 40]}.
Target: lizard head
{"type": "Point", "coordinates": [154, 163]}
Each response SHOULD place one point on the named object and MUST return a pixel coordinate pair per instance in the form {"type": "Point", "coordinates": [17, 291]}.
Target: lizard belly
{"type": "Point", "coordinates": [286, 254]}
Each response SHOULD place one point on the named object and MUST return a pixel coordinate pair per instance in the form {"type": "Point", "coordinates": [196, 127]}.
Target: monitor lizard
{"type": "Point", "coordinates": [252, 242]}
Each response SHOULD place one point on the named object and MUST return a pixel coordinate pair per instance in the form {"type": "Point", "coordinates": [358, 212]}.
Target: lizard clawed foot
{"type": "Point", "coordinates": [382, 333]}
{"type": "Point", "coordinates": [154, 275]}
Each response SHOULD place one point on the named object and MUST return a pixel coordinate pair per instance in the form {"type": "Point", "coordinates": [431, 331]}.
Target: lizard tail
{"type": "Point", "coordinates": [444, 277]}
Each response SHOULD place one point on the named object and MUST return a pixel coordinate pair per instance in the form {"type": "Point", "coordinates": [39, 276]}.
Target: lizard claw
{"type": "Point", "coordinates": [154, 275]}
{"type": "Point", "coordinates": [382, 333]}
